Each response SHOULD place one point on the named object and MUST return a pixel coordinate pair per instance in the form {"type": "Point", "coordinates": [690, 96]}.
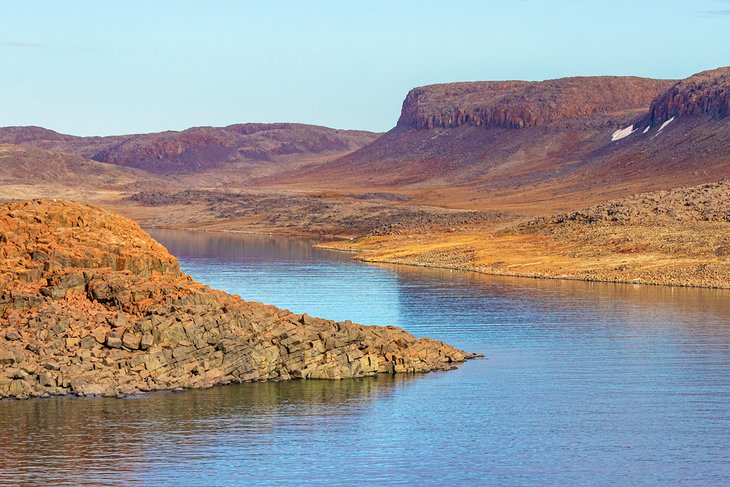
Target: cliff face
{"type": "Point", "coordinates": [519, 104]}
{"type": "Point", "coordinates": [90, 304]}
{"type": "Point", "coordinates": [706, 93]}
{"type": "Point", "coordinates": [510, 144]}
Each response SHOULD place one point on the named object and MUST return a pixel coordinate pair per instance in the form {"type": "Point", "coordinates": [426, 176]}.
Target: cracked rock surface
{"type": "Point", "coordinates": [91, 304]}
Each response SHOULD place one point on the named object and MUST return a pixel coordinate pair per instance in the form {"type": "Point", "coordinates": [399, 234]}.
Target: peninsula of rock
{"type": "Point", "coordinates": [90, 304]}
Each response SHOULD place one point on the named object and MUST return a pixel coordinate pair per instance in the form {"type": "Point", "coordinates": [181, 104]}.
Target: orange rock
{"type": "Point", "coordinates": [98, 307]}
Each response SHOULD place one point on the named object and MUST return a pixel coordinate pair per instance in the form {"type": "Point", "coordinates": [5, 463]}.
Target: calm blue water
{"type": "Point", "coordinates": [585, 384]}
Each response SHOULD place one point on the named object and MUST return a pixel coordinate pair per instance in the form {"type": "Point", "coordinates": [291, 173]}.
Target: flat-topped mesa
{"type": "Point", "coordinates": [91, 304]}
{"type": "Point", "coordinates": [520, 104]}
{"type": "Point", "coordinates": [705, 93]}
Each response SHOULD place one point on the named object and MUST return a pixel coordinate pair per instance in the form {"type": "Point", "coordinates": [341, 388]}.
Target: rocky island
{"type": "Point", "coordinates": [90, 304]}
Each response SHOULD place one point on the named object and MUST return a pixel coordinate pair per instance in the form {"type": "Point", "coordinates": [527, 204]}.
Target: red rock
{"type": "Point", "coordinates": [520, 104]}
{"type": "Point", "coordinates": [705, 93]}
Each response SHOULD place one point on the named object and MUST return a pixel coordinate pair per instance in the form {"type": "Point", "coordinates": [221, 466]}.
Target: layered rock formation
{"type": "Point", "coordinates": [705, 93]}
{"type": "Point", "coordinates": [90, 304]}
{"type": "Point", "coordinates": [519, 104]}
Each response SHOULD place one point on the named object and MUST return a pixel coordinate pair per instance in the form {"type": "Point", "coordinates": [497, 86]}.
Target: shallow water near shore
{"type": "Point", "coordinates": [584, 384]}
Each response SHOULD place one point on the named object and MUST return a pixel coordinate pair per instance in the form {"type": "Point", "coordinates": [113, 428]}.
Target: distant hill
{"type": "Point", "coordinates": [27, 171]}
{"type": "Point", "coordinates": [252, 147]}
{"type": "Point", "coordinates": [557, 143]}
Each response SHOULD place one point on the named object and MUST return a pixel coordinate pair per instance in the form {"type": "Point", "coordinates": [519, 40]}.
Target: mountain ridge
{"type": "Point", "coordinates": [475, 150]}
{"type": "Point", "coordinates": [520, 104]}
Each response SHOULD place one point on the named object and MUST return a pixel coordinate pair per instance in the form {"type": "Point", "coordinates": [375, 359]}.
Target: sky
{"type": "Point", "coordinates": [115, 67]}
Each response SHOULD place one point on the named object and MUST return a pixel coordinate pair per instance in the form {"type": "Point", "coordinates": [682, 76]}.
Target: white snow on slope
{"type": "Point", "coordinates": [620, 134]}
{"type": "Point", "coordinates": [665, 124]}
{"type": "Point", "coordinates": [647, 128]}
{"type": "Point", "coordinates": [662, 127]}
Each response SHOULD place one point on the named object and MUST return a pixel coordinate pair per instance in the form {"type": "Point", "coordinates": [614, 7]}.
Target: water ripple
{"type": "Point", "coordinates": [585, 384]}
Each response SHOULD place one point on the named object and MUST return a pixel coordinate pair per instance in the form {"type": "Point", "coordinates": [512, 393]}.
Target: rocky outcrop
{"type": "Point", "coordinates": [90, 304]}
{"type": "Point", "coordinates": [679, 206]}
{"type": "Point", "coordinates": [705, 93]}
{"type": "Point", "coordinates": [519, 104]}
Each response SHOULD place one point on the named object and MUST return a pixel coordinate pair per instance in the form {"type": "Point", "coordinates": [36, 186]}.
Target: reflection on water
{"type": "Point", "coordinates": [101, 440]}
{"type": "Point", "coordinates": [251, 247]}
{"type": "Point", "coordinates": [586, 384]}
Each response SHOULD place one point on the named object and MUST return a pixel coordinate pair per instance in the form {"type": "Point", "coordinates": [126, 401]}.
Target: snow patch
{"type": "Point", "coordinates": [665, 124]}
{"type": "Point", "coordinates": [620, 134]}
{"type": "Point", "coordinates": [662, 127]}
{"type": "Point", "coordinates": [647, 128]}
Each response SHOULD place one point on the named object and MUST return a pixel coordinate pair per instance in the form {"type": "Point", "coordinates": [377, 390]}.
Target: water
{"type": "Point", "coordinates": [585, 384]}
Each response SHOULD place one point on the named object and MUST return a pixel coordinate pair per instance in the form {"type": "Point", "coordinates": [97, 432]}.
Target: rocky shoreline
{"type": "Point", "coordinates": [668, 238]}
{"type": "Point", "coordinates": [690, 277]}
{"type": "Point", "coordinates": [527, 275]}
{"type": "Point", "coordinates": [91, 305]}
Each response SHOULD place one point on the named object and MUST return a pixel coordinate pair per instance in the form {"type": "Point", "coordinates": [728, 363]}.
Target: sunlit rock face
{"type": "Point", "coordinates": [91, 304]}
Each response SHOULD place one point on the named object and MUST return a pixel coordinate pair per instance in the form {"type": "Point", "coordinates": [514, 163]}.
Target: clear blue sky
{"type": "Point", "coordinates": [105, 67]}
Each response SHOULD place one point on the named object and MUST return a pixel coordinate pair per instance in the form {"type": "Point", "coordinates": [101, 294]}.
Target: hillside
{"type": "Point", "coordinates": [540, 146]}
{"type": "Point", "coordinates": [91, 304]}
{"type": "Point", "coordinates": [513, 146]}
{"type": "Point", "coordinates": [255, 149]}
{"type": "Point", "coordinates": [29, 172]}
